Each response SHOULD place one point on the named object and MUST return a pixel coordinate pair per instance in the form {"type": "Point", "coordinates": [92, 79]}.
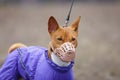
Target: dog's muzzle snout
{"type": "Point", "coordinates": [66, 52]}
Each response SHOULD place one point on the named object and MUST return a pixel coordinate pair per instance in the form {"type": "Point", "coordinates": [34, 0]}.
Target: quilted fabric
{"type": "Point", "coordinates": [32, 63]}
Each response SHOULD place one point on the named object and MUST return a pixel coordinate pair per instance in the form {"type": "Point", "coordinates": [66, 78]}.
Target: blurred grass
{"type": "Point", "coordinates": [98, 53]}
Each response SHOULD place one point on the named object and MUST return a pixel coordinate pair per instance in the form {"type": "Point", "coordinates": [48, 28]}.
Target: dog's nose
{"type": "Point", "coordinates": [69, 52]}
{"type": "Point", "coordinates": [69, 56]}
{"type": "Point", "coordinates": [66, 52]}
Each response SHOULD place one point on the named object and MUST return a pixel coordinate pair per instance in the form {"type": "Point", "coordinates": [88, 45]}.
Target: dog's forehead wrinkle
{"type": "Point", "coordinates": [68, 34]}
{"type": "Point", "coordinates": [65, 33]}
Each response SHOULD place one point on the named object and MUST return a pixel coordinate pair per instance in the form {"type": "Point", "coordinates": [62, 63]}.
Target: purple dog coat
{"type": "Point", "coordinates": [32, 63]}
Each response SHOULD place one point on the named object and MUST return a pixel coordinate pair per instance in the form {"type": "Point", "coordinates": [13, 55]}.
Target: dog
{"type": "Point", "coordinates": [38, 63]}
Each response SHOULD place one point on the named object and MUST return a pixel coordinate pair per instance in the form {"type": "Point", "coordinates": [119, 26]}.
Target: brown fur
{"type": "Point", "coordinates": [15, 46]}
{"type": "Point", "coordinates": [66, 34]}
{"type": "Point", "coordinates": [58, 34]}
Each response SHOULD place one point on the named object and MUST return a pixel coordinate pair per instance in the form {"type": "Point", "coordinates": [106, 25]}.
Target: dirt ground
{"type": "Point", "coordinates": [98, 53]}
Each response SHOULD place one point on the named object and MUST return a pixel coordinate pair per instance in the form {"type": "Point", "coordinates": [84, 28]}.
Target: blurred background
{"type": "Point", "coordinates": [98, 52]}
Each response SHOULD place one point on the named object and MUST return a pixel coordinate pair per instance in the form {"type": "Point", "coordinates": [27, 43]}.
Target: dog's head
{"type": "Point", "coordinates": [60, 35]}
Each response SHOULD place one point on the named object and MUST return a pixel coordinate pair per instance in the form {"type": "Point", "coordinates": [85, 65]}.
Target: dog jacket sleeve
{"type": "Point", "coordinates": [37, 66]}
{"type": "Point", "coordinates": [9, 71]}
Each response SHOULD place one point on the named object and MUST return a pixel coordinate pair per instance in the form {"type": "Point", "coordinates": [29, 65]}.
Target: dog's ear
{"type": "Point", "coordinates": [76, 24]}
{"type": "Point", "coordinates": [52, 24]}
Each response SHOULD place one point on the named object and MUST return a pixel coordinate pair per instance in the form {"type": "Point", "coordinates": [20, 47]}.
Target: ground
{"type": "Point", "coordinates": [98, 52]}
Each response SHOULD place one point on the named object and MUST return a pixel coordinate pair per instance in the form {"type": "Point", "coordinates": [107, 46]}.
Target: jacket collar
{"type": "Point", "coordinates": [56, 67]}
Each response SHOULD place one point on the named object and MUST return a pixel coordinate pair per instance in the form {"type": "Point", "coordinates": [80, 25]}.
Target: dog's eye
{"type": "Point", "coordinates": [73, 39]}
{"type": "Point", "coordinates": [59, 39]}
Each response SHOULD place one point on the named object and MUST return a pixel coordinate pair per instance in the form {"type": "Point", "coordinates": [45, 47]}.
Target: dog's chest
{"type": "Point", "coordinates": [40, 67]}
{"type": "Point", "coordinates": [47, 70]}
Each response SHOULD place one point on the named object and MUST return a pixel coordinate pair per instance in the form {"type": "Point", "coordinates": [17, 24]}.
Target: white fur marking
{"type": "Point", "coordinates": [58, 61]}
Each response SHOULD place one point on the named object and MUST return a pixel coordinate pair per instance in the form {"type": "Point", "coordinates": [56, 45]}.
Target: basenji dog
{"type": "Point", "coordinates": [61, 52]}
{"type": "Point", "coordinates": [59, 35]}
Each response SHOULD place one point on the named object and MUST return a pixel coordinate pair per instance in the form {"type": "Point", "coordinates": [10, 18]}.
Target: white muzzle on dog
{"type": "Point", "coordinates": [66, 52]}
